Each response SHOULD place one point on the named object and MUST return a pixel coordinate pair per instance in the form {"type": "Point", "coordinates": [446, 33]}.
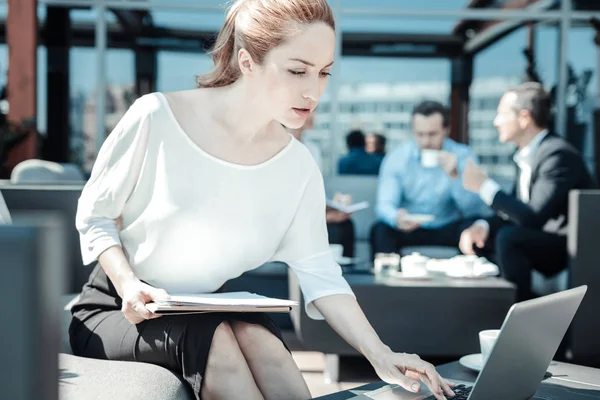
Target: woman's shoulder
{"type": "Point", "coordinates": [164, 101]}
{"type": "Point", "coordinates": [149, 102]}
{"type": "Point", "coordinates": [302, 160]}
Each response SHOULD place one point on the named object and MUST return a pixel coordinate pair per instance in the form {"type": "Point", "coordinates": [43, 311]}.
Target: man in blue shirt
{"type": "Point", "coordinates": [358, 161]}
{"type": "Point", "coordinates": [410, 185]}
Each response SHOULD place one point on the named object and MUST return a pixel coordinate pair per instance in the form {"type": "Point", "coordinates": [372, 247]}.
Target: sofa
{"type": "Point", "coordinates": [82, 378]}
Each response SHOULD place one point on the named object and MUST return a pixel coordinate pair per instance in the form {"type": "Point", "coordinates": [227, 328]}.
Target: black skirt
{"type": "Point", "coordinates": [180, 343]}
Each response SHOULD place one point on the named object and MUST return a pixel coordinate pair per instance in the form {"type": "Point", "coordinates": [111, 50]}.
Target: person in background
{"type": "Point", "coordinates": [358, 161]}
{"type": "Point", "coordinates": [375, 144]}
{"type": "Point", "coordinates": [529, 229]}
{"type": "Point", "coordinates": [423, 176]}
{"type": "Point", "coordinates": [340, 226]}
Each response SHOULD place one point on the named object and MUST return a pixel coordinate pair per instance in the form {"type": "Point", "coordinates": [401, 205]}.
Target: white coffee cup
{"type": "Point", "coordinates": [386, 264]}
{"type": "Point", "coordinates": [414, 265]}
{"type": "Point", "coordinates": [487, 340]}
{"type": "Point", "coordinates": [337, 250]}
{"type": "Point", "coordinates": [430, 158]}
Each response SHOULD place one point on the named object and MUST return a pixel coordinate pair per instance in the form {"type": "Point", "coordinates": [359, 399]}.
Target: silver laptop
{"type": "Point", "coordinates": [528, 339]}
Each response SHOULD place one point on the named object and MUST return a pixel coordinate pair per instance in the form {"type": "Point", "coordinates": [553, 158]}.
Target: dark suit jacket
{"type": "Point", "coordinates": [557, 169]}
{"type": "Point", "coordinates": [359, 162]}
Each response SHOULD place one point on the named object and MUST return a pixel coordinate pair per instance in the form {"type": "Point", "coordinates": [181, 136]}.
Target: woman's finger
{"type": "Point", "coordinates": [436, 392]}
{"type": "Point", "coordinates": [141, 310]}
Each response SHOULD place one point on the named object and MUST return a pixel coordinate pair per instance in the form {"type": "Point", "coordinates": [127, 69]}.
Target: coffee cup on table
{"type": "Point", "coordinates": [414, 265]}
{"type": "Point", "coordinates": [487, 340]}
{"type": "Point", "coordinates": [430, 158]}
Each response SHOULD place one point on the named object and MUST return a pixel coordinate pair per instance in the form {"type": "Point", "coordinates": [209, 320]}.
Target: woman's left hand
{"type": "Point", "coordinates": [408, 371]}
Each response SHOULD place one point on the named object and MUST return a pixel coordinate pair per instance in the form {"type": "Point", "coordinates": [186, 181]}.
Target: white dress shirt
{"type": "Point", "coordinates": [191, 221]}
{"type": "Point", "coordinates": [524, 159]}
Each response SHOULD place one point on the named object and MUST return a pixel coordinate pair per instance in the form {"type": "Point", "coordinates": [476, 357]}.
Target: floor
{"type": "Point", "coordinates": [312, 365]}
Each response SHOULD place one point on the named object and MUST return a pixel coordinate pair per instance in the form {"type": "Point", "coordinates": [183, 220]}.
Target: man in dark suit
{"type": "Point", "coordinates": [529, 230]}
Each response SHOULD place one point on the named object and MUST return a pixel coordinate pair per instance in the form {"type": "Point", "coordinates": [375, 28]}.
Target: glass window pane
{"type": "Point", "coordinates": [408, 4]}
{"type": "Point", "coordinates": [495, 70]}
{"type": "Point", "coordinates": [582, 94]}
{"type": "Point", "coordinates": [82, 84]}
{"type": "Point", "coordinates": [178, 70]}
{"type": "Point", "coordinates": [192, 20]}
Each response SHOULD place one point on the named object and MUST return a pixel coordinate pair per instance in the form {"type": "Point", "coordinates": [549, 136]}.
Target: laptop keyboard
{"type": "Point", "coordinates": [462, 393]}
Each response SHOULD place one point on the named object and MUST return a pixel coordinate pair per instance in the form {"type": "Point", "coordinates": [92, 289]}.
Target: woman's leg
{"type": "Point", "coordinates": [201, 347]}
{"type": "Point", "coordinates": [227, 373]}
{"type": "Point", "coordinates": [272, 366]}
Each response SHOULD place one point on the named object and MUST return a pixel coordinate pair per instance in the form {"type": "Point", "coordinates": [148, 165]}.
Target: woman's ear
{"type": "Point", "coordinates": [245, 62]}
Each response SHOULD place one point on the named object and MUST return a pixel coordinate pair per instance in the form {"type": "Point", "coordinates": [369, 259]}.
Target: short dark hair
{"type": "Point", "coordinates": [430, 107]}
{"type": "Point", "coordinates": [532, 96]}
{"type": "Point", "coordinates": [380, 141]}
{"type": "Point", "coordinates": [356, 138]}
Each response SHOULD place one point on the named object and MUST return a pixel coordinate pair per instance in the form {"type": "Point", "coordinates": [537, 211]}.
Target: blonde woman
{"type": "Point", "coordinates": [208, 184]}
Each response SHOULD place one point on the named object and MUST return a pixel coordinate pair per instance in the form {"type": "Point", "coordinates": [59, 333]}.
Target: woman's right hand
{"type": "Point", "coordinates": [135, 295]}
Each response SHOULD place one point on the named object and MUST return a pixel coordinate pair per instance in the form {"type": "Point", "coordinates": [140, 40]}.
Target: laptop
{"type": "Point", "coordinates": [528, 340]}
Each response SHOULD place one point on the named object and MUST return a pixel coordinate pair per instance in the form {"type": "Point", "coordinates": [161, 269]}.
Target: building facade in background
{"type": "Point", "coordinates": [387, 108]}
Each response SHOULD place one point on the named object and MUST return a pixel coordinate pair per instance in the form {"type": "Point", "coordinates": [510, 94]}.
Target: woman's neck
{"type": "Point", "coordinates": [235, 107]}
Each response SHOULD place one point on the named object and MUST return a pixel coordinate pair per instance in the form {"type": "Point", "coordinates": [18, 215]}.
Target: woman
{"type": "Point", "coordinates": [207, 184]}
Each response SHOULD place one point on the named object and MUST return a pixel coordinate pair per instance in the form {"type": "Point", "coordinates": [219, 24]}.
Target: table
{"type": "Point", "coordinates": [436, 318]}
{"type": "Point", "coordinates": [569, 381]}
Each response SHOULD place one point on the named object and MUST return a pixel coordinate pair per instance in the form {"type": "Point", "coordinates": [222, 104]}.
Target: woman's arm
{"type": "Point", "coordinates": [134, 293]}
{"type": "Point", "coordinates": [103, 199]}
{"type": "Point", "coordinates": [345, 316]}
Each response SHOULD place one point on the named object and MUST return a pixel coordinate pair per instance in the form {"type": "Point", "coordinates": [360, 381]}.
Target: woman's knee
{"type": "Point", "coordinates": [259, 345]}
{"type": "Point", "coordinates": [227, 372]}
{"type": "Point", "coordinates": [224, 356]}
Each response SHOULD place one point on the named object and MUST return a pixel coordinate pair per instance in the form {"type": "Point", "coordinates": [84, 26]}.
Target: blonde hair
{"type": "Point", "coordinates": [259, 26]}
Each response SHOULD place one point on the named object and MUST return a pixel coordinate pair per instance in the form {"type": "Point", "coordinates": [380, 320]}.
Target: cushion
{"type": "Point", "coordinates": [86, 379]}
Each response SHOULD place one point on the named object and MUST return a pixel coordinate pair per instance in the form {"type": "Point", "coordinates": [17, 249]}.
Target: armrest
{"type": "Point", "coordinates": [584, 256]}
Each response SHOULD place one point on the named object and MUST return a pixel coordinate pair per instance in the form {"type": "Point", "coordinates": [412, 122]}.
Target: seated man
{"type": "Point", "coordinates": [358, 161]}
{"type": "Point", "coordinates": [339, 225]}
{"type": "Point", "coordinates": [529, 229]}
{"type": "Point", "coordinates": [406, 187]}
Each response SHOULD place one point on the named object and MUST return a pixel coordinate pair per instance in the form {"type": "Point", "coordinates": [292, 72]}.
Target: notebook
{"type": "Point", "coordinates": [350, 208]}
{"type": "Point", "coordinates": [220, 302]}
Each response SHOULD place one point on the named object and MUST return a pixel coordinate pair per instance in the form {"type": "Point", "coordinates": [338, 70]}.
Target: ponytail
{"type": "Point", "coordinates": [224, 55]}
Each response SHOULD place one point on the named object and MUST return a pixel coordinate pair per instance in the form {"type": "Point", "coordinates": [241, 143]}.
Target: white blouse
{"type": "Point", "coordinates": [191, 221]}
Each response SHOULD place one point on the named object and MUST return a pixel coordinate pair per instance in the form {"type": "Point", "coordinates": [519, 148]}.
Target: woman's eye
{"type": "Point", "coordinates": [297, 72]}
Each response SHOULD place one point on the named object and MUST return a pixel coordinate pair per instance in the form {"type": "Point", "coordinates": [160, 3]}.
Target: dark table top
{"type": "Point", "coordinates": [361, 275]}
{"type": "Point", "coordinates": [568, 381]}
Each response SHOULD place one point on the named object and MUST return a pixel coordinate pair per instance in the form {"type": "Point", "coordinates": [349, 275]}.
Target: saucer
{"type": "Point", "coordinates": [419, 218]}
{"type": "Point", "coordinates": [346, 260]}
{"type": "Point", "coordinates": [472, 361]}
